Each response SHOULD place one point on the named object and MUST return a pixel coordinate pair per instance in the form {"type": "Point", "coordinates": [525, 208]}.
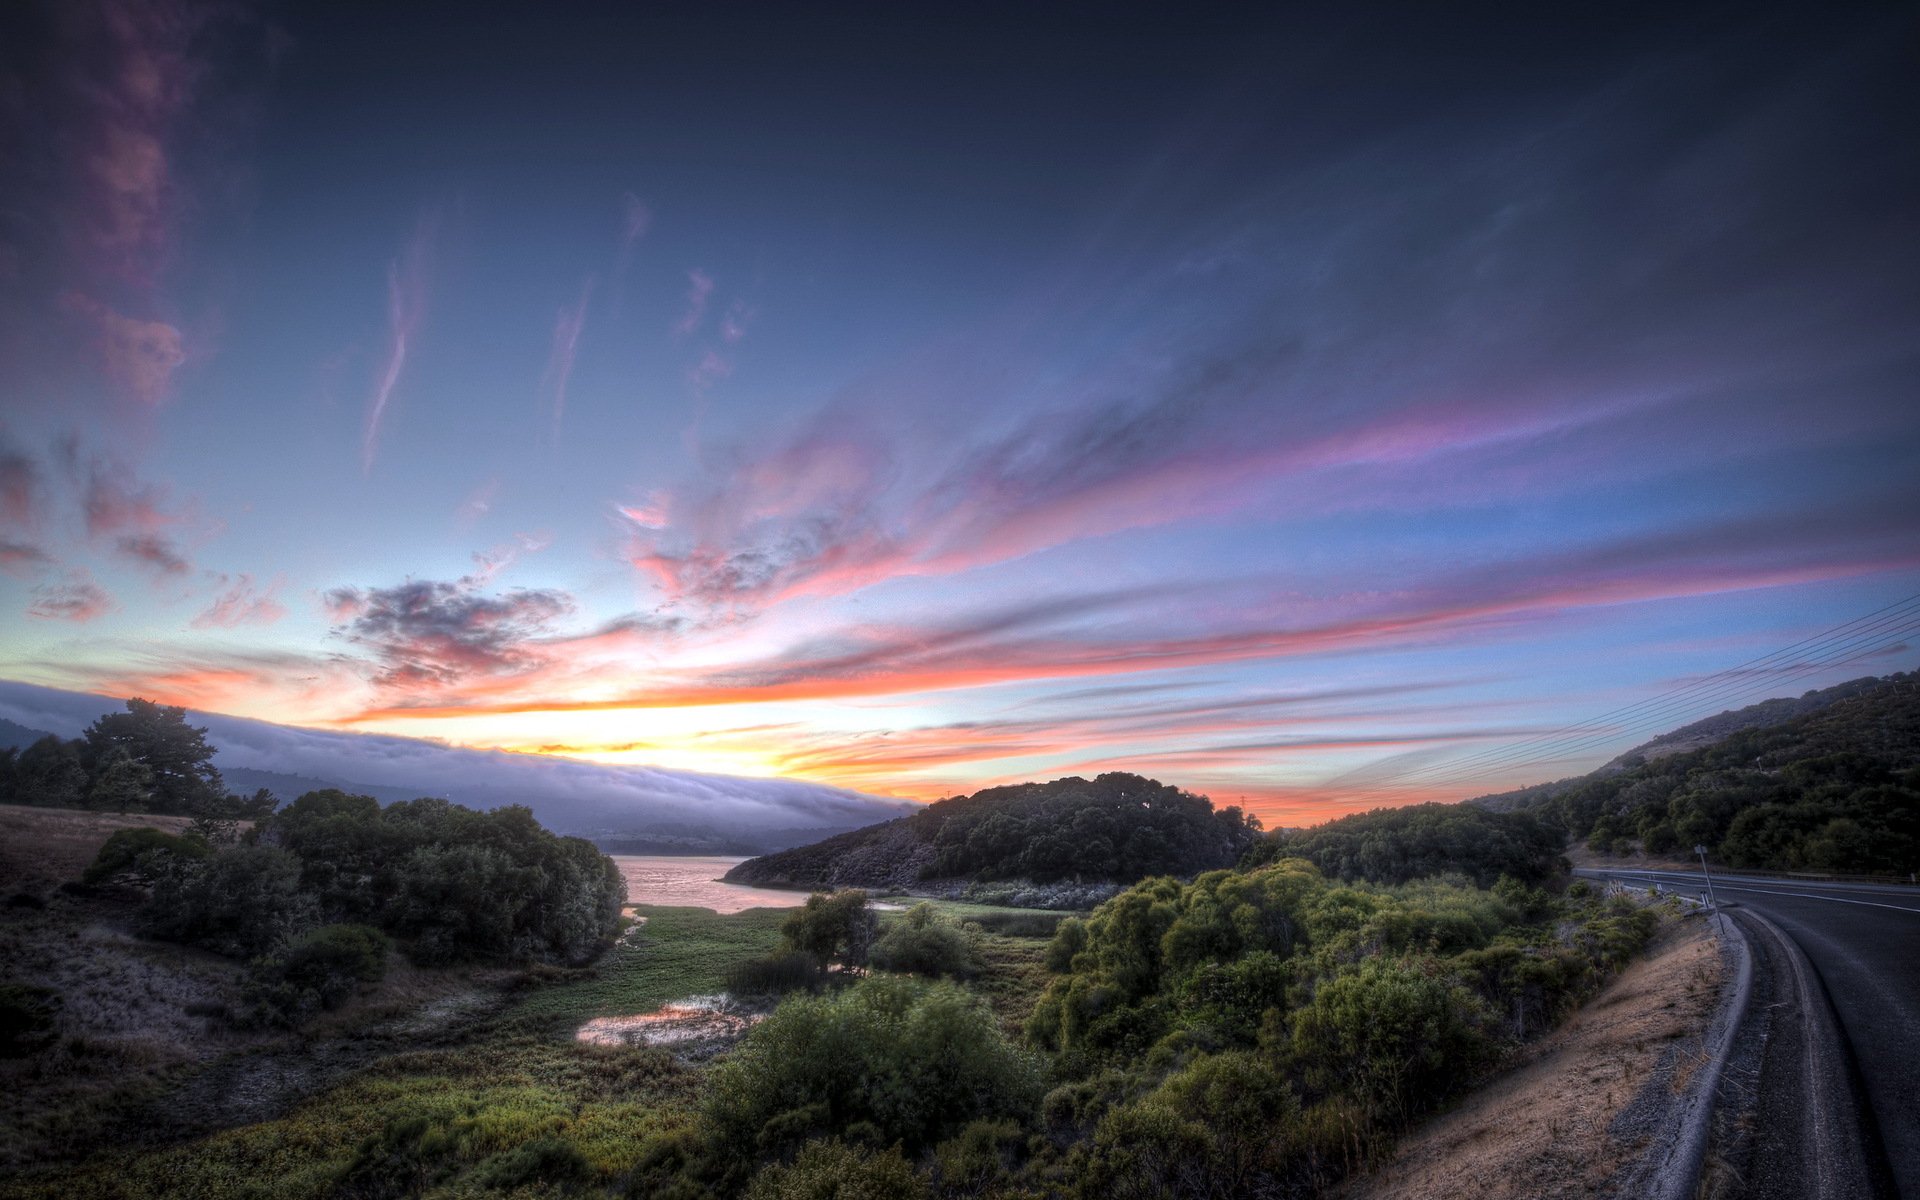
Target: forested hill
{"type": "Point", "coordinates": [1117, 828]}
{"type": "Point", "coordinates": [1837, 789]}
{"type": "Point", "coordinates": [1694, 736]}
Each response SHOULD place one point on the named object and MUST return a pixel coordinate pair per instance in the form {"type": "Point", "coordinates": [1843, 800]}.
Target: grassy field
{"type": "Point", "coordinates": [678, 952]}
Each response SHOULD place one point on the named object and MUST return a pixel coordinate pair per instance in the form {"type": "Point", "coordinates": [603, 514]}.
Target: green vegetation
{"type": "Point", "coordinates": [146, 759]}
{"type": "Point", "coordinates": [1393, 845]}
{"type": "Point", "coordinates": [927, 942]}
{"type": "Point", "coordinates": [890, 1061]}
{"type": "Point", "coordinates": [1264, 1029]}
{"type": "Point", "coordinates": [451, 884]}
{"type": "Point", "coordinates": [1116, 828]}
{"type": "Point", "coordinates": [1837, 790]}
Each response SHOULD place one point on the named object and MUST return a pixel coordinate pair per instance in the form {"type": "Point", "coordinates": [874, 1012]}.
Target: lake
{"type": "Point", "coordinates": [695, 883]}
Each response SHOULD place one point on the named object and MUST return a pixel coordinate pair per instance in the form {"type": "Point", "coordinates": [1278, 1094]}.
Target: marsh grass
{"type": "Point", "coordinates": [679, 952]}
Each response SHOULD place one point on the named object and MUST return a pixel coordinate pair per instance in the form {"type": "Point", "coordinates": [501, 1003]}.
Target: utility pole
{"type": "Point", "coordinates": [1702, 852]}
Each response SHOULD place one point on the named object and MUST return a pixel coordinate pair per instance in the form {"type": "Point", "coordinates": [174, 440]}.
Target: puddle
{"type": "Point", "coordinates": [695, 1019]}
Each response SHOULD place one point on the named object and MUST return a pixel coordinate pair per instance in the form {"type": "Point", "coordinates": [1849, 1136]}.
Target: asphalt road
{"type": "Point", "coordinates": [1863, 942]}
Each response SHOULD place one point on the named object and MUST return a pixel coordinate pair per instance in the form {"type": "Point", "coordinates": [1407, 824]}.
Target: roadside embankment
{"type": "Point", "coordinates": [1593, 1108]}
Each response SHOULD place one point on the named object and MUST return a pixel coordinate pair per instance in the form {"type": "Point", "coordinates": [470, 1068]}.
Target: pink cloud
{"type": "Point", "coordinates": [19, 490]}
{"type": "Point", "coordinates": [242, 603]}
{"type": "Point", "coordinates": [144, 70]}
{"type": "Point", "coordinates": [711, 369]}
{"type": "Point", "coordinates": [566, 343]}
{"type": "Point", "coordinates": [479, 502]}
{"type": "Point", "coordinates": [699, 291]}
{"type": "Point", "coordinates": [22, 558]}
{"type": "Point", "coordinates": [78, 599]}
{"type": "Point", "coordinates": [139, 357]}
{"type": "Point", "coordinates": [406, 308]}
{"type": "Point", "coordinates": [134, 519]}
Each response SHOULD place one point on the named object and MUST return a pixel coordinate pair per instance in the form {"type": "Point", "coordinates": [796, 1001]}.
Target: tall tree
{"type": "Point", "coordinates": [174, 752]}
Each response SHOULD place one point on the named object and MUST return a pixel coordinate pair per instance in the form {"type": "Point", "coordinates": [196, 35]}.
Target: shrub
{"type": "Point", "coordinates": [319, 969]}
{"type": "Point", "coordinates": [924, 942]}
{"type": "Point", "coordinates": [833, 1170]}
{"type": "Point", "coordinates": [832, 927]}
{"type": "Point", "coordinates": [243, 901]}
{"type": "Point", "coordinates": [914, 1061]}
{"type": "Point", "coordinates": [1219, 1127]}
{"type": "Point", "coordinates": [26, 1018]}
{"type": "Point", "coordinates": [774, 975]}
{"type": "Point", "coordinates": [141, 854]}
{"type": "Point", "coordinates": [1390, 1034]}
{"type": "Point", "coordinates": [544, 1161]}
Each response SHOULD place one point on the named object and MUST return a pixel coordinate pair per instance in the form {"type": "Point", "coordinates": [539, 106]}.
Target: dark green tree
{"type": "Point", "coordinates": [176, 753]}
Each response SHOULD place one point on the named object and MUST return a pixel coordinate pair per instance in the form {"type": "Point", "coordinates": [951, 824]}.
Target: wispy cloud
{"type": "Point", "coordinates": [135, 520]}
{"type": "Point", "coordinates": [22, 558]}
{"type": "Point", "coordinates": [242, 602]}
{"type": "Point", "coordinates": [699, 292]}
{"type": "Point", "coordinates": [20, 489]}
{"type": "Point", "coordinates": [406, 308]}
{"type": "Point", "coordinates": [138, 356]}
{"type": "Point", "coordinates": [77, 599]}
{"type": "Point", "coordinates": [567, 325]}
{"type": "Point", "coordinates": [1043, 640]}
{"type": "Point", "coordinates": [635, 219]}
{"type": "Point", "coordinates": [711, 369]}
{"type": "Point", "coordinates": [733, 326]}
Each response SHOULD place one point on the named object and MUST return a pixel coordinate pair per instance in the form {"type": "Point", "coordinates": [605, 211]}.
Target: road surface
{"type": "Point", "coordinates": [1863, 944]}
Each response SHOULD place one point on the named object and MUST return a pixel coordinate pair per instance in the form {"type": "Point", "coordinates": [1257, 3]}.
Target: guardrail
{"type": "Point", "coordinates": [1908, 880]}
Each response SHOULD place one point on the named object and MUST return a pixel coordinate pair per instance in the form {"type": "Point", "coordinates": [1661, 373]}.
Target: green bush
{"type": "Point", "coordinates": [832, 927]}
{"type": "Point", "coordinates": [913, 1061]}
{"type": "Point", "coordinates": [923, 942]}
{"type": "Point", "coordinates": [833, 1170]}
{"type": "Point", "coordinates": [319, 970]}
{"type": "Point", "coordinates": [1219, 1127]}
{"type": "Point", "coordinates": [1391, 1034]}
{"type": "Point", "coordinates": [774, 975]}
{"type": "Point", "coordinates": [543, 1161]}
{"type": "Point", "coordinates": [242, 902]}
{"type": "Point", "coordinates": [142, 855]}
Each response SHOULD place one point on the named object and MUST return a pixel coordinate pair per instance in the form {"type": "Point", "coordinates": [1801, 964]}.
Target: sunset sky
{"type": "Point", "coordinates": [1295, 403]}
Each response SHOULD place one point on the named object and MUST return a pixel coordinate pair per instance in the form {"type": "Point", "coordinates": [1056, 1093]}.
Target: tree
{"type": "Point", "coordinates": [176, 753]}
{"type": "Point", "coordinates": [122, 784]}
{"type": "Point", "coordinates": [50, 773]}
{"type": "Point", "coordinates": [829, 927]}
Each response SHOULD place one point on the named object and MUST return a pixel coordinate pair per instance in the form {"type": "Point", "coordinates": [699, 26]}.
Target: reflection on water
{"type": "Point", "coordinates": [695, 1019]}
{"type": "Point", "coordinates": [695, 883]}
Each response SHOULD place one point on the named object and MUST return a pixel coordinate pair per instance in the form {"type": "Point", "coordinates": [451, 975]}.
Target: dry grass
{"type": "Point", "coordinates": [42, 848]}
{"type": "Point", "coordinates": [1543, 1129]}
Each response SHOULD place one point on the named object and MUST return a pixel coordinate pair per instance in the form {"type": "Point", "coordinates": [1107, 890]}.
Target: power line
{"type": "Point", "coordinates": [1843, 643]}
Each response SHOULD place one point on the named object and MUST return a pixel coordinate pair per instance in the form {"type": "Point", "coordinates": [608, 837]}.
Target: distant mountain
{"type": "Point", "coordinates": [1699, 734]}
{"type": "Point", "coordinates": [567, 795]}
{"type": "Point", "coordinates": [18, 736]}
{"type": "Point", "coordinates": [1117, 828]}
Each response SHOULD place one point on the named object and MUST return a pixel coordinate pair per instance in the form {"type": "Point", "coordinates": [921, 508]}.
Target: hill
{"type": "Point", "coordinates": [1395, 845]}
{"type": "Point", "coordinates": [1694, 736]}
{"type": "Point", "coordinates": [1117, 828]}
{"type": "Point", "coordinates": [16, 736]}
{"type": "Point", "coordinates": [1834, 789]}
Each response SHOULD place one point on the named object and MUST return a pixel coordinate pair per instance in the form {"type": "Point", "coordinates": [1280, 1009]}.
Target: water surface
{"type": "Point", "coordinates": [695, 883]}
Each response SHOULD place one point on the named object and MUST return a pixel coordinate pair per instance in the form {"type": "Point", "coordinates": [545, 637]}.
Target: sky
{"type": "Point", "coordinates": [1302, 404]}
